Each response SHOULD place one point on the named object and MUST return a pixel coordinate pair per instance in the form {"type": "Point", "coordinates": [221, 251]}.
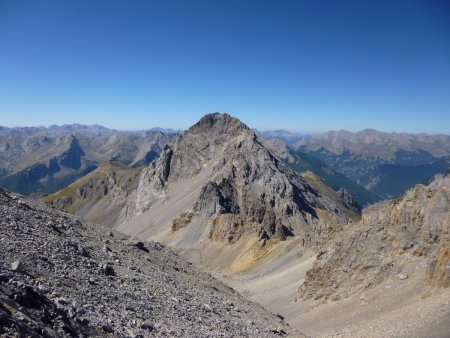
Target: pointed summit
{"type": "Point", "coordinates": [72, 157]}
{"type": "Point", "coordinates": [218, 122]}
{"type": "Point", "coordinates": [218, 182]}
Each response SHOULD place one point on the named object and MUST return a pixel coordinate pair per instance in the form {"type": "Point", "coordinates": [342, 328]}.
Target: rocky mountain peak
{"type": "Point", "coordinates": [210, 137]}
{"type": "Point", "coordinates": [210, 143]}
{"type": "Point", "coordinates": [229, 182]}
{"type": "Point", "coordinates": [72, 157]}
{"type": "Point", "coordinates": [219, 123]}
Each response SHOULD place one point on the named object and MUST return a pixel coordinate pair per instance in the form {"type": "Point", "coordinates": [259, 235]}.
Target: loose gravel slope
{"type": "Point", "coordinates": [61, 276]}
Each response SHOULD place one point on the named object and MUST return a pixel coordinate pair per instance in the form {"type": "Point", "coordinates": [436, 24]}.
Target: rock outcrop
{"type": "Point", "coordinates": [64, 277]}
{"type": "Point", "coordinates": [220, 172]}
{"type": "Point", "coordinates": [391, 235]}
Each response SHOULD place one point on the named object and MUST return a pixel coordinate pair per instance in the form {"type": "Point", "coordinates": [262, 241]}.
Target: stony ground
{"type": "Point", "coordinates": [398, 307]}
{"type": "Point", "coordinates": [61, 276]}
{"type": "Point", "coordinates": [387, 276]}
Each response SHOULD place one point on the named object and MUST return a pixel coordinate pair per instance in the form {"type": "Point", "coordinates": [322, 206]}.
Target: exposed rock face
{"type": "Point", "coordinates": [390, 234]}
{"type": "Point", "coordinates": [242, 186]}
{"type": "Point", "coordinates": [63, 277]}
{"type": "Point", "coordinates": [153, 181]}
{"type": "Point", "coordinates": [348, 198]}
{"type": "Point", "coordinates": [217, 199]}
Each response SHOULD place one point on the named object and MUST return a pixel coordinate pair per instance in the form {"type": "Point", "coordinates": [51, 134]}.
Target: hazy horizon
{"type": "Point", "coordinates": [299, 132]}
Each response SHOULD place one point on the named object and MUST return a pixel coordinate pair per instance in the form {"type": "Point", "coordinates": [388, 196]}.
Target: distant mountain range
{"type": "Point", "coordinates": [302, 162]}
{"type": "Point", "coordinates": [287, 137]}
{"type": "Point", "coordinates": [91, 130]}
{"type": "Point", "coordinates": [44, 160]}
{"type": "Point", "coordinates": [387, 164]}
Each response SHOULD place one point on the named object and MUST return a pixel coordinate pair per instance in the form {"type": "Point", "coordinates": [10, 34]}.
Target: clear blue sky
{"type": "Point", "coordinates": [297, 65]}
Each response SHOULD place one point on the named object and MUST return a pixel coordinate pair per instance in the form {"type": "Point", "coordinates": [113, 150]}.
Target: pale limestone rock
{"type": "Point", "coordinates": [390, 233]}
{"type": "Point", "coordinates": [245, 187]}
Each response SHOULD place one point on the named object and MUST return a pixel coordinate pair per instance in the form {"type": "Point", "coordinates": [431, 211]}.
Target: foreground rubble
{"type": "Point", "coordinates": [61, 276]}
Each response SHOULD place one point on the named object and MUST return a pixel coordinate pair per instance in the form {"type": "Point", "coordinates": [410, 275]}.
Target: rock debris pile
{"type": "Point", "coordinates": [61, 276]}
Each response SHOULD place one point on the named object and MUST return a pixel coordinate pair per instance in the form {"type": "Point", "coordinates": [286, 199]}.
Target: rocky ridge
{"type": "Point", "coordinates": [62, 276]}
{"type": "Point", "coordinates": [390, 237]}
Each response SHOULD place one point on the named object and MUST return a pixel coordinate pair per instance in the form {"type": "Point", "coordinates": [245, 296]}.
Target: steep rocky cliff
{"type": "Point", "coordinates": [219, 179]}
